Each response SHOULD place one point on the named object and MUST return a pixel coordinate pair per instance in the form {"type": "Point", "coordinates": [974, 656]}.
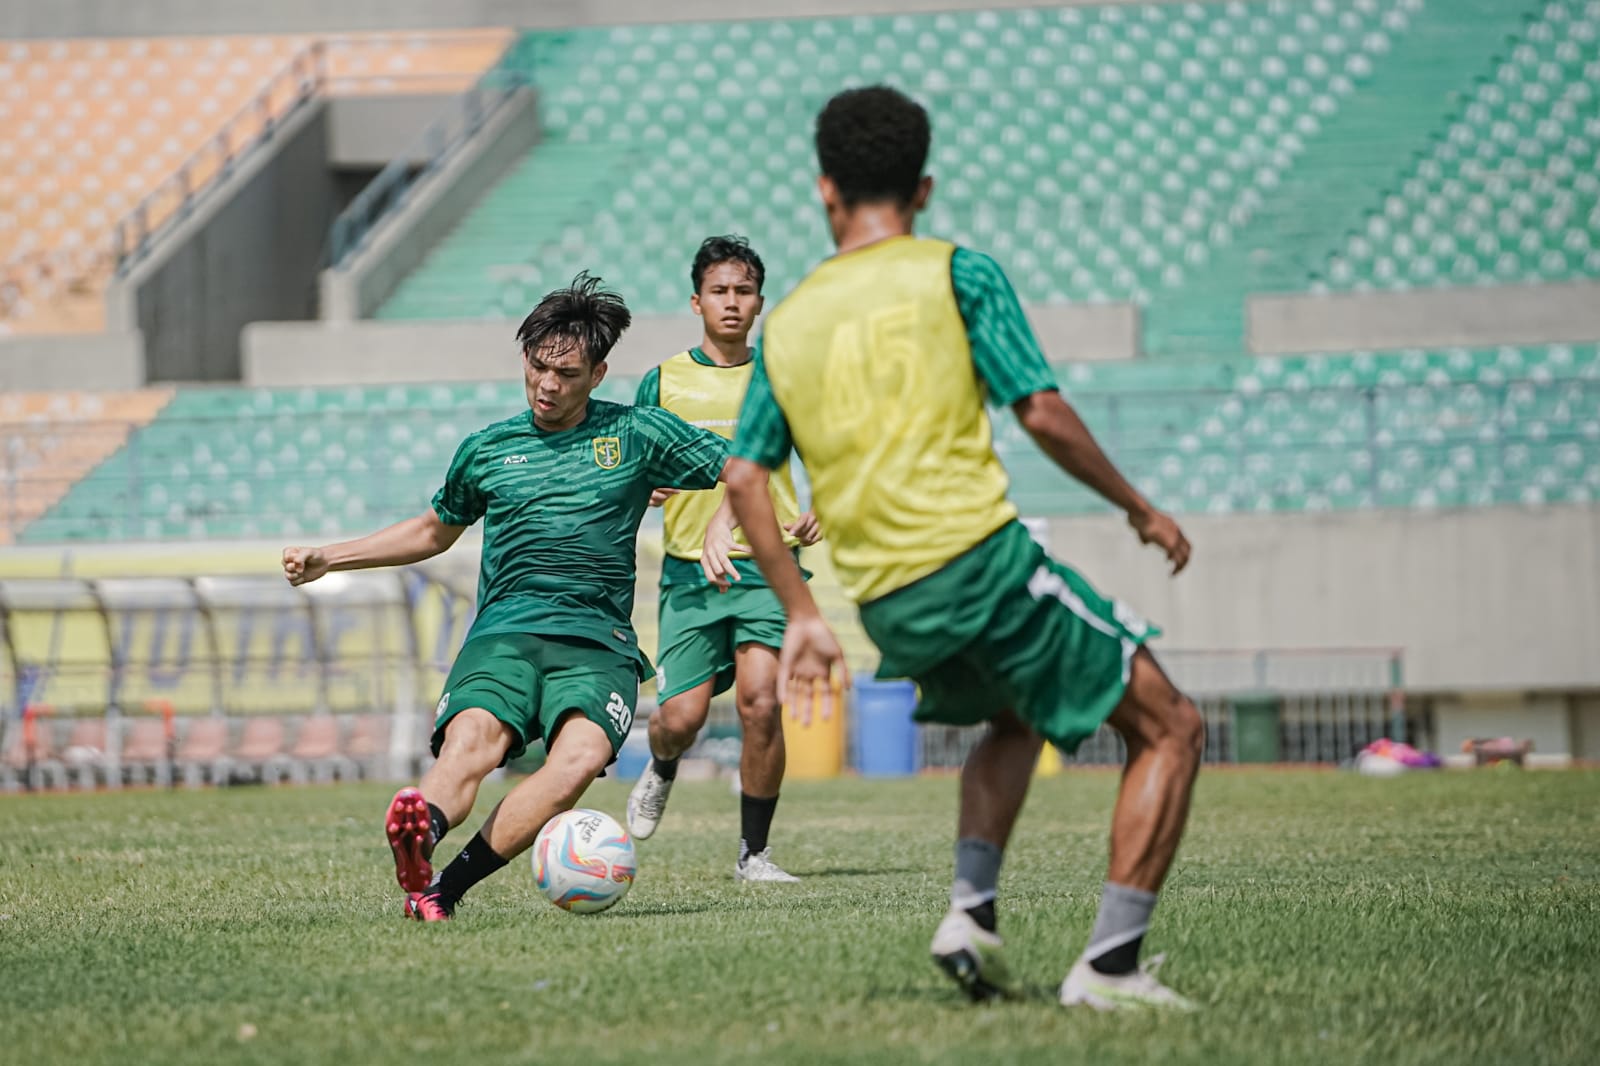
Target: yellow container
{"type": "Point", "coordinates": [814, 750]}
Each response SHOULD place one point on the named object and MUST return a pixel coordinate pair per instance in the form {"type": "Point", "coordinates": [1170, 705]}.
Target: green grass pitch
{"type": "Point", "coordinates": [1318, 917]}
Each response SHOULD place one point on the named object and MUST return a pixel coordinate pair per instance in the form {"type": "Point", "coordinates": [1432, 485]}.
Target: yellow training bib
{"type": "Point", "coordinates": [869, 360]}
{"type": "Point", "coordinates": [709, 396]}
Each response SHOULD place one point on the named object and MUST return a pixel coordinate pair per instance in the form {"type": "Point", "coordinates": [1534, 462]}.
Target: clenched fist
{"type": "Point", "coordinates": [301, 565]}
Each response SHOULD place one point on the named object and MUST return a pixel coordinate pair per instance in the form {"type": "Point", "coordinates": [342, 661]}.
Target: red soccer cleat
{"type": "Point", "coordinates": [411, 839]}
{"type": "Point", "coordinates": [425, 907]}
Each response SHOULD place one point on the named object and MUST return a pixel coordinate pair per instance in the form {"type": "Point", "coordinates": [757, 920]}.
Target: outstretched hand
{"type": "Point", "coordinates": [716, 554]}
{"type": "Point", "coordinates": [806, 529]}
{"type": "Point", "coordinates": [1159, 529]}
{"type": "Point", "coordinates": [661, 496]}
{"type": "Point", "coordinates": [303, 565]}
{"type": "Point", "coordinates": [812, 675]}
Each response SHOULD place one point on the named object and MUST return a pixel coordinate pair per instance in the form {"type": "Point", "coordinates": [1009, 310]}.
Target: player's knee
{"type": "Point", "coordinates": [577, 759]}
{"type": "Point", "coordinates": [680, 719]}
{"type": "Point", "coordinates": [758, 710]}
{"type": "Point", "coordinates": [476, 736]}
{"type": "Point", "coordinates": [1187, 728]}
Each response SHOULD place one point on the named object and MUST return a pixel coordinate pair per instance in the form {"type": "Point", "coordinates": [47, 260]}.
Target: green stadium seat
{"type": "Point", "coordinates": [1106, 153]}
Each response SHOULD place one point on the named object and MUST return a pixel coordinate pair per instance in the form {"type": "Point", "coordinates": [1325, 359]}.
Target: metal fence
{"type": "Point", "coordinates": [86, 664]}
{"type": "Point", "coordinates": [1265, 706]}
{"type": "Point", "coordinates": [82, 661]}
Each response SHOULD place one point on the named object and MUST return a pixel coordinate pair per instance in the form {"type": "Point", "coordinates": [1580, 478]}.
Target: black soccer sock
{"type": "Point", "coordinates": [666, 769]}
{"type": "Point", "coordinates": [476, 861]}
{"type": "Point", "coordinates": [1119, 960]}
{"type": "Point", "coordinates": [440, 824]}
{"type": "Point", "coordinates": [1119, 928]}
{"type": "Point", "coordinates": [755, 822]}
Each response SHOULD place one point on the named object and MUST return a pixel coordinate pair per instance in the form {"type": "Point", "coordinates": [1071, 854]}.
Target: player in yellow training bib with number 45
{"type": "Point", "coordinates": [721, 626]}
{"type": "Point", "coordinates": [875, 370]}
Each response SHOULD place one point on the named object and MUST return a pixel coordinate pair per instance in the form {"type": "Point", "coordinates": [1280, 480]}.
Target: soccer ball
{"type": "Point", "coordinates": [583, 861]}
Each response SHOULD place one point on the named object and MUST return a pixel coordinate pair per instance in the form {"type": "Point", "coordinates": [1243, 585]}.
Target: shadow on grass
{"type": "Point", "coordinates": [856, 871]}
{"type": "Point", "coordinates": [944, 994]}
{"type": "Point", "coordinates": [656, 910]}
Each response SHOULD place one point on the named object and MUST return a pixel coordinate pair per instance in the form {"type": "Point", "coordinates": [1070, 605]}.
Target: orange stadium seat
{"type": "Point", "coordinates": [90, 128]}
{"type": "Point", "coordinates": [52, 439]}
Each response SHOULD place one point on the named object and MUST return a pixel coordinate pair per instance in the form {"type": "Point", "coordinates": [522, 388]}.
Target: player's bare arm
{"type": "Point", "coordinates": [408, 541]}
{"type": "Point", "coordinates": [811, 666]}
{"type": "Point", "coordinates": [1056, 427]}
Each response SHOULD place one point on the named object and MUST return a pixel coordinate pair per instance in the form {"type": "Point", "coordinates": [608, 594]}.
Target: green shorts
{"type": "Point", "coordinates": [530, 682]}
{"type": "Point", "coordinates": [701, 629]}
{"type": "Point", "coordinates": [1004, 626]}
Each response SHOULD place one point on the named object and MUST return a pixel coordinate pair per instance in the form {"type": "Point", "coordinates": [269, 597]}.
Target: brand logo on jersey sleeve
{"type": "Point", "coordinates": [607, 452]}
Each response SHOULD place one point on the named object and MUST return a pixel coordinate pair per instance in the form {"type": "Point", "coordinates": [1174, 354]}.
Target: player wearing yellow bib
{"type": "Point", "coordinates": [711, 639]}
{"type": "Point", "coordinates": [876, 370]}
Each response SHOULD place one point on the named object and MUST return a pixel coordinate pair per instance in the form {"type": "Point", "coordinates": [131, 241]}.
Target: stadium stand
{"type": "Point", "coordinates": [53, 439]}
{"type": "Point", "coordinates": [89, 129]}
{"type": "Point", "coordinates": [1458, 427]}
{"type": "Point", "coordinates": [1176, 156]}
{"type": "Point", "coordinates": [1511, 191]}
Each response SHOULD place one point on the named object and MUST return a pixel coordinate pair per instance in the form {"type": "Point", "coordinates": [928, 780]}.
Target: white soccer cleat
{"type": "Point", "coordinates": [647, 802]}
{"type": "Point", "coordinates": [972, 956]}
{"type": "Point", "coordinates": [1085, 986]}
{"type": "Point", "coordinates": [758, 866]}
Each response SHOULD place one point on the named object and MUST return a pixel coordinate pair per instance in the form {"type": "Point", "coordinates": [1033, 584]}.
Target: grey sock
{"type": "Point", "coordinates": [1124, 916]}
{"type": "Point", "coordinates": [977, 873]}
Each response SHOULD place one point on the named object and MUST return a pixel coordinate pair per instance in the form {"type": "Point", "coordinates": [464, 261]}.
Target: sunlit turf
{"type": "Point", "coordinates": [1318, 917]}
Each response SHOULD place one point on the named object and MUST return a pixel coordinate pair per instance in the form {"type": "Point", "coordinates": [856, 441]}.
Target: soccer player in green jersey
{"type": "Point", "coordinates": [876, 369]}
{"type": "Point", "coordinates": [716, 638]}
{"type": "Point", "coordinates": [552, 655]}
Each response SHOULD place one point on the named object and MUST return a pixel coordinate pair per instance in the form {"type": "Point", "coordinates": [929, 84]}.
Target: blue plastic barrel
{"type": "Point", "coordinates": [885, 738]}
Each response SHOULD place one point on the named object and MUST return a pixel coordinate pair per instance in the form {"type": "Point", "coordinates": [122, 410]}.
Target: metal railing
{"type": "Point", "coordinates": [294, 86]}
{"type": "Point", "coordinates": [435, 146]}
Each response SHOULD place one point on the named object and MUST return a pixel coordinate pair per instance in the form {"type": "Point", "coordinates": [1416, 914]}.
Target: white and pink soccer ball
{"type": "Point", "coordinates": [583, 861]}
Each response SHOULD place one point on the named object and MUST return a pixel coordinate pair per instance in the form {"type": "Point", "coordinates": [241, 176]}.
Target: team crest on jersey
{"type": "Point", "coordinates": [607, 452]}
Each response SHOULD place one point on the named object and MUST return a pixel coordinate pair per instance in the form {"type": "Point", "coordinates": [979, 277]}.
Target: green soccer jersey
{"type": "Point", "coordinates": [561, 515]}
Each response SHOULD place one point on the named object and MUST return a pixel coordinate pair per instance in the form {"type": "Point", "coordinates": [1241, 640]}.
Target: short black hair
{"type": "Point", "coordinates": [582, 314]}
{"type": "Point", "coordinates": [729, 248]}
{"type": "Point", "coordinates": [873, 143]}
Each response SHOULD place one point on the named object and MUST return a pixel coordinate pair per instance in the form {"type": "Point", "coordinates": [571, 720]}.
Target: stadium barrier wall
{"type": "Point", "coordinates": [33, 362]}
{"type": "Point", "coordinates": [250, 250]}
{"type": "Point", "coordinates": [1494, 599]}
{"type": "Point", "coordinates": [382, 351]}
{"type": "Point", "coordinates": [378, 352]}
{"type": "Point", "coordinates": [1506, 650]}
{"type": "Point", "coordinates": [432, 208]}
{"type": "Point", "coordinates": [67, 18]}
{"type": "Point", "coordinates": [369, 131]}
{"type": "Point", "coordinates": [1431, 318]}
